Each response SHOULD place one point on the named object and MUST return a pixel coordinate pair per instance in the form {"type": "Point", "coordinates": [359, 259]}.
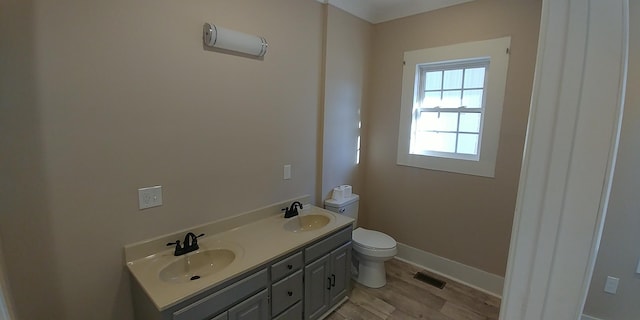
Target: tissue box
{"type": "Point", "coordinates": [342, 192]}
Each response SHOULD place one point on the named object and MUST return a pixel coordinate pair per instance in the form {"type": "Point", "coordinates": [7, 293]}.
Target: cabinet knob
{"type": "Point", "coordinates": [290, 293]}
{"type": "Point", "coordinates": [289, 266]}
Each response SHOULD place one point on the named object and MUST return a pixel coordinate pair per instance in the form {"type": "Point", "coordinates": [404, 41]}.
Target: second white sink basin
{"type": "Point", "coordinates": [306, 222]}
{"type": "Point", "coordinates": [194, 266]}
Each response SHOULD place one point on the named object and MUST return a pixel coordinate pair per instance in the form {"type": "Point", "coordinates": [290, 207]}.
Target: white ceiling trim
{"type": "Point", "coordinates": [376, 11]}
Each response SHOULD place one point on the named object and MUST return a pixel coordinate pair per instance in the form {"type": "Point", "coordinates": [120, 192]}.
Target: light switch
{"type": "Point", "coordinates": [287, 172]}
{"type": "Point", "coordinates": [611, 286]}
{"type": "Point", "coordinates": [150, 197]}
{"type": "Point", "coordinates": [638, 267]}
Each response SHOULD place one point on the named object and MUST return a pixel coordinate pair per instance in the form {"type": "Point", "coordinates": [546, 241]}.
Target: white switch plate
{"type": "Point", "coordinates": [611, 286]}
{"type": "Point", "coordinates": [287, 172]}
{"type": "Point", "coordinates": [150, 197]}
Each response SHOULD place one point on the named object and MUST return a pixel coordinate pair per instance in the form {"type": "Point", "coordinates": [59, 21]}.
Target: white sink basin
{"type": "Point", "coordinates": [306, 222]}
{"type": "Point", "coordinates": [194, 266]}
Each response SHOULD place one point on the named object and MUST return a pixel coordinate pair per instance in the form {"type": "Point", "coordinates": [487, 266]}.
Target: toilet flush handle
{"type": "Point", "coordinates": [341, 210]}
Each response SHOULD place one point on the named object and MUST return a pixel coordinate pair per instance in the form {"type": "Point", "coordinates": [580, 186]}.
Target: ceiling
{"type": "Point", "coordinates": [376, 11]}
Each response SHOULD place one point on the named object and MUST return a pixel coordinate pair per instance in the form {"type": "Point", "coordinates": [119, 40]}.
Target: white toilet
{"type": "Point", "coordinates": [370, 248]}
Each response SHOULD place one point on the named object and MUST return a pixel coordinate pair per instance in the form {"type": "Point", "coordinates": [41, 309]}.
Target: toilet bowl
{"type": "Point", "coordinates": [370, 248]}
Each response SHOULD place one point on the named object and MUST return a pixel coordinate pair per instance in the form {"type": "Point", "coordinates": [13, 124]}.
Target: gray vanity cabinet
{"type": "Point", "coordinates": [254, 308]}
{"type": "Point", "coordinates": [246, 299]}
{"type": "Point", "coordinates": [317, 285]}
{"type": "Point", "coordinates": [286, 293]}
{"type": "Point", "coordinates": [340, 273]}
{"type": "Point", "coordinates": [224, 316]}
{"type": "Point", "coordinates": [293, 313]}
{"type": "Point", "coordinates": [286, 287]}
{"type": "Point", "coordinates": [303, 285]}
{"type": "Point", "coordinates": [327, 278]}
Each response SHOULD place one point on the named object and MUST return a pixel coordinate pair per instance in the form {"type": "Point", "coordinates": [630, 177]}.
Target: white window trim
{"type": "Point", "coordinates": [497, 51]}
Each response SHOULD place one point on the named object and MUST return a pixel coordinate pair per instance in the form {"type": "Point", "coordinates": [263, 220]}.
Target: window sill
{"type": "Point", "coordinates": [482, 168]}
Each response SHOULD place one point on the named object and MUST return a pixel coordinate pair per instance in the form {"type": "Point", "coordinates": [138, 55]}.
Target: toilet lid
{"type": "Point", "coordinates": [373, 239]}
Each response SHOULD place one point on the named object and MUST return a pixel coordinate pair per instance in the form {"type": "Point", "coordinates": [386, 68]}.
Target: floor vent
{"type": "Point", "coordinates": [429, 280]}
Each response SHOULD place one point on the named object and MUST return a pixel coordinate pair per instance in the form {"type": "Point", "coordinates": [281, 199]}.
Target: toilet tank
{"type": "Point", "coordinates": [347, 207]}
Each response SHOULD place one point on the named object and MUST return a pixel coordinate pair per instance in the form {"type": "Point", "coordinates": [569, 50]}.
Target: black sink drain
{"type": "Point", "coordinates": [195, 278]}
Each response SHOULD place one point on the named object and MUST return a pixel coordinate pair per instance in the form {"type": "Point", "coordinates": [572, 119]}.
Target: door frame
{"type": "Point", "coordinates": [569, 158]}
{"type": "Point", "coordinates": [6, 308]}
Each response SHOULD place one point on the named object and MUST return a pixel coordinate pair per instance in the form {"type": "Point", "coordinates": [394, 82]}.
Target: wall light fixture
{"type": "Point", "coordinates": [222, 38]}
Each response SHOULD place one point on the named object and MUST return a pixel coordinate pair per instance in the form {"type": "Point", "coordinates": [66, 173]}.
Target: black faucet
{"type": "Point", "coordinates": [293, 211]}
{"type": "Point", "coordinates": [190, 244]}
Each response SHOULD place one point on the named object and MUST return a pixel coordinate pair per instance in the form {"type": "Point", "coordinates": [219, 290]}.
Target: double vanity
{"type": "Point", "coordinates": [253, 266]}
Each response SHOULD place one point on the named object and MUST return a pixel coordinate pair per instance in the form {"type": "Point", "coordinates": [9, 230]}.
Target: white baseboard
{"type": "Point", "coordinates": [586, 317]}
{"type": "Point", "coordinates": [478, 279]}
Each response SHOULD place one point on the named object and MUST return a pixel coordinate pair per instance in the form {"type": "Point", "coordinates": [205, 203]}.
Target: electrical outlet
{"type": "Point", "coordinates": [611, 285]}
{"type": "Point", "coordinates": [150, 197]}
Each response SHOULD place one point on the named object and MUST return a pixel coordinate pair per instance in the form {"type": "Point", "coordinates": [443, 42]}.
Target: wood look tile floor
{"type": "Point", "coordinates": [407, 298]}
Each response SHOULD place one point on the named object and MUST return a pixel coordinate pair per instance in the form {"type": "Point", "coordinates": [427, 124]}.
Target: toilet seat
{"type": "Point", "coordinates": [373, 240]}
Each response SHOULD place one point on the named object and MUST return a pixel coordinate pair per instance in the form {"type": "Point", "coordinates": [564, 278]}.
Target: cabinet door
{"type": "Point", "coordinates": [317, 285]}
{"type": "Point", "coordinates": [254, 308]}
{"type": "Point", "coordinates": [340, 273]}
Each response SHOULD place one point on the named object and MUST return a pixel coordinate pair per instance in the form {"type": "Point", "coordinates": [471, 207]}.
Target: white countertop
{"type": "Point", "coordinates": [254, 243]}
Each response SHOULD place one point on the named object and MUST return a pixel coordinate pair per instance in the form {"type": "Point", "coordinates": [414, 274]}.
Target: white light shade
{"type": "Point", "coordinates": [226, 39]}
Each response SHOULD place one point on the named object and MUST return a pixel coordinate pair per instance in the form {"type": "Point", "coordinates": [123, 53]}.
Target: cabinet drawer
{"type": "Point", "coordinates": [224, 316]}
{"type": "Point", "coordinates": [319, 249]}
{"type": "Point", "coordinates": [286, 292]}
{"type": "Point", "coordinates": [286, 267]}
{"type": "Point", "coordinates": [222, 299]}
{"type": "Point", "coordinates": [294, 313]}
{"type": "Point", "coordinates": [254, 308]}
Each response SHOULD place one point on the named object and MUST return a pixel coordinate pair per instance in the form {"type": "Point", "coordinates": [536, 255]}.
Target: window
{"type": "Point", "coordinates": [451, 107]}
{"type": "Point", "coordinates": [448, 116]}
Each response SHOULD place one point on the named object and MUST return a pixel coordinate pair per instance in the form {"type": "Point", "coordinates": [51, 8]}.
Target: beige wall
{"type": "Point", "coordinates": [25, 222]}
{"type": "Point", "coordinates": [620, 244]}
{"type": "Point", "coordinates": [101, 98]}
{"type": "Point", "coordinates": [347, 62]}
{"type": "Point", "coordinates": [460, 217]}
